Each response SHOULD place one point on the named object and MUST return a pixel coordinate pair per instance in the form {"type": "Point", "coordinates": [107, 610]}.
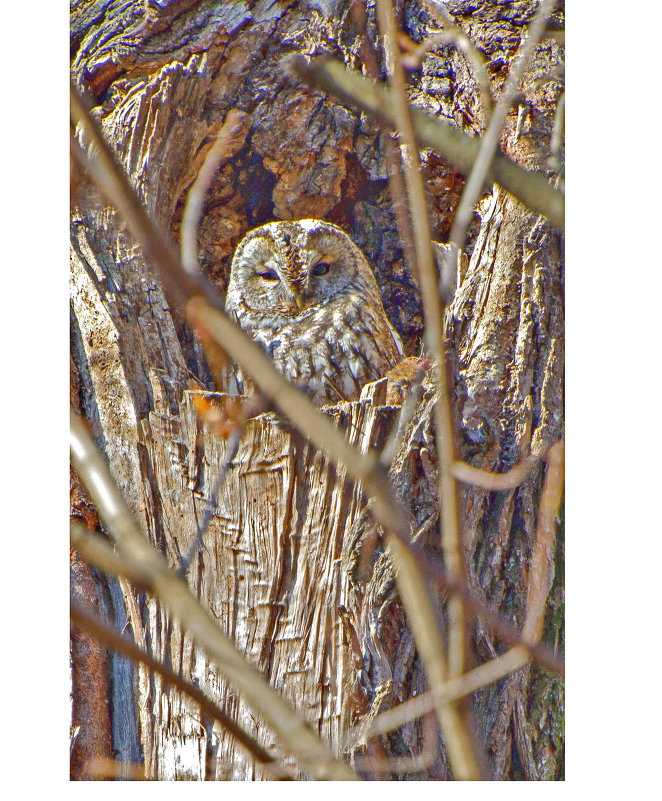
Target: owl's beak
{"type": "Point", "coordinates": [298, 298]}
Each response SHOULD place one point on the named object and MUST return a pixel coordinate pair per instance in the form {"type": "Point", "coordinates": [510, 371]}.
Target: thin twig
{"type": "Point", "coordinates": [502, 629]}
{"type": "Point", "coordinates": [413, 764]}
{"type": "Point", "coordinates": [495, 481]}
{"type": "Point", "coordinates": [404, 225]}
{"type": "Point", "coordinates": [461, 752]}
{"type": "Point", "coordinates": [541, 571]}
{"type": "Point", "coordinates": [452, 690]}
{"type": "Point", "coordinates": [418, 605]}
{"type": "Point", "coordinates": [177, 598]}
{"type": "Point", "coordinates": [490, 140]}
{"type": "Point", "coordinates": [391, 152]}
{"type": "Point", "coordinates": [531, 188]}
{"type": "Point", "coordinates": [229, 140]}
{"type": "Point", "coordinates": [404, 418]}
{"type": "Point", "coordinates": [122, 644]}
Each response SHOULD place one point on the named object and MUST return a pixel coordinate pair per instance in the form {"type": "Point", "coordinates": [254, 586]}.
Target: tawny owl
{"type": "Point", "coordinates": [306, 293]}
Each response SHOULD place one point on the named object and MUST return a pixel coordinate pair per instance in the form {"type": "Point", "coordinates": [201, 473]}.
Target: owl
{"type": "Point", "coordinates": [306, 293]}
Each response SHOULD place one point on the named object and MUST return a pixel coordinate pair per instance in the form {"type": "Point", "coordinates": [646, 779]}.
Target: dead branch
{"type": "Point", "coordinates": [541, 571]}
{"type": "Point", "coordinates": [495, 481]}
{"type": "Point", "coordinates": [229, 140]}
{"type": "Point", "coordinates": [504, 631]}
{"type": "Point", "coordinates": [391, 152]}
{"type": "Point", "coordinates": [460, 746]}
{"type": "Point", "coordinates": [452, 690]}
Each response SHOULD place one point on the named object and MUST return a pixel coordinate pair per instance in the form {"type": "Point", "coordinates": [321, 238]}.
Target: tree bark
{"type": "Point", "coordinates": [291, 565]}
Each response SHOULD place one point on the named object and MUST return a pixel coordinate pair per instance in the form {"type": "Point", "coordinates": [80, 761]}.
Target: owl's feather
{"type": "Point", "coordinates": [306, 293]}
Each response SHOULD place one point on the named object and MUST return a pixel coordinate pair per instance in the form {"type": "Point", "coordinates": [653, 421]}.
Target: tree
{"type": "Point", "coordinates": [292, 564]}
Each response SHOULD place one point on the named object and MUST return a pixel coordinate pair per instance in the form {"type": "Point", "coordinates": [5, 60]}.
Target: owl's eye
{"type": "Point", "coordinates": [269, 275]}
{"type": "Point", "coordinates": [320, 269]}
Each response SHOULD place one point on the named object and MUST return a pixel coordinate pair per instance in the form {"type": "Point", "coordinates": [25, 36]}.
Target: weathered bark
{"type": "Point", "coordinates": [89, 670]}
{"type": "Point", "coordinates": [507, 332]}
{"type": "Point", "coordinates": [90, 718]}
{"type": "Point", "coordinates": [291, 565]}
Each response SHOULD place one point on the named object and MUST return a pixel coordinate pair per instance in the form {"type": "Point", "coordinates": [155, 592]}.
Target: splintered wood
{"type": "Point", "coordinates": [269, 569]}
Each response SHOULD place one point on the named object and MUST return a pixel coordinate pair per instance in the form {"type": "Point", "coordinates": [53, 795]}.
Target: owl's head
{"type": "Point", "coordinates": [290, 268]}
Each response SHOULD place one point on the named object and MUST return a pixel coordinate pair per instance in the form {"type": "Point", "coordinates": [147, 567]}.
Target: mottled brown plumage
{"type": "Point", "coordinates": [306, 293]}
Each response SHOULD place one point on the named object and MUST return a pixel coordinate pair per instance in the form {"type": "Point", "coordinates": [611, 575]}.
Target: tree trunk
{"type": "Point", "coordinates": [291, 565]}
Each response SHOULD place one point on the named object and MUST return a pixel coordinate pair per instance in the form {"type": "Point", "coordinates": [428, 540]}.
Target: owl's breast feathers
{"type": "Point", "coordinates": [330, 351]}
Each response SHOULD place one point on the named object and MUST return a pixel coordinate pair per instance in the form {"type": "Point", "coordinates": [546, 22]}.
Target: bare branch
{"type": "Point", "coordinates": [128, 648]}
{"type": "Point", "coordinates": [504, 631]}
{"type": "Point", "coordinates": [495, 481]}
{"type": "Point", "coordinates": [391, 152]}
{"type": "Point", "coordinates": [405, 416]}
{"type": "Point", "coordinates": [418, 605]}
{"type": "Point", "coordinates": [541, 571]}
{"type": "Point", "coordinates": [173, 593]}
{"type": "Point", "coordinates": [412, 764]}
{"type": "Point", "coordinates": [460, 149]}
{"type": "Point", "coordinates": [490, 140]}
{"type": "Point", "coordinates": [460, 745]}
{"type": "Point", "coordinates": [456, 688]}
{"type": "Point", "coordinates": [229, 140]}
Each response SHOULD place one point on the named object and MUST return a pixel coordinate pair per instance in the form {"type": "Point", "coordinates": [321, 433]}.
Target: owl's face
{"type": "Point", "coordinates": [288, 269]}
